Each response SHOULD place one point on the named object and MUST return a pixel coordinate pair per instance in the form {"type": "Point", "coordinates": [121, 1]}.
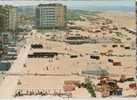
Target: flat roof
{"type": "Point", "coordinates": [51, 4]}
{"type": "Point", "coordinates": [133, 30]}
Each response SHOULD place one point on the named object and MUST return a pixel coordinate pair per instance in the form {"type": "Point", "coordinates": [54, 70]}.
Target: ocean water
{"type": "Point", "coordinates": [101, 5]}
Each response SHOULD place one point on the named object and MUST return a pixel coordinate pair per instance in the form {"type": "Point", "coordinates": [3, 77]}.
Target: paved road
{"type": "Point", "coordinates": [8, 86]}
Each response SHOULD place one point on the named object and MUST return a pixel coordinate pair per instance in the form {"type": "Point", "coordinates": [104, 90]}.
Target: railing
{"type": "Point", "coordinates": [41, 92]}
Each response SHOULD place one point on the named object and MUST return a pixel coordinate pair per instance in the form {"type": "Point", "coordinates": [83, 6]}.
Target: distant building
{"type": "Point", "coordinates": [7, 18]}
{"type": "Point", "coordinates": [51, 16]}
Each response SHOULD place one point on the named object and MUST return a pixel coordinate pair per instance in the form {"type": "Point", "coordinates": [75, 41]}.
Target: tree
{"type": "Point", "coordinates": [89, 87]}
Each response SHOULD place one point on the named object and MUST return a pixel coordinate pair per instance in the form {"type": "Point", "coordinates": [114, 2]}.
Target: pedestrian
{"type": "Point", "coordinates": [47, 68]}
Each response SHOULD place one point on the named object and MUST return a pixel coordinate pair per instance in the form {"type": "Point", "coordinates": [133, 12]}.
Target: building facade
{"type": "Point", "coordinates": [7, 18]}
{"type": "Point", "coordinates": [51, 16]}
{"type": "Point", "coordinates": [7, 23]}
{"type": "Point", "coordinates": [136, 43]}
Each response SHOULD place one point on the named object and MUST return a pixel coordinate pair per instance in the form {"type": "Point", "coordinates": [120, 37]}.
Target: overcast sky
{"type": "Point", "coordinates": [126, 5]}
{"type": "Point", "coordinates": [71, 2]}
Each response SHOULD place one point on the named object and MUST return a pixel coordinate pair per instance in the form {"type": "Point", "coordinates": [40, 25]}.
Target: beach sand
{"type": "Point", "coordinates": [62, 68]}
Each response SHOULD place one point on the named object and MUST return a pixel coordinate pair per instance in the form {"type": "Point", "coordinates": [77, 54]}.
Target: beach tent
{"type": "Point", "coordinates": [95, 70]}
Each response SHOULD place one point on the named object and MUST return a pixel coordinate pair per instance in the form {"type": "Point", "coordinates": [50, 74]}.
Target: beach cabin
{"type": "Point", "coordinates": [73, 56]}
{"type": "Point", "coordinates": [116, 63]}
{"type": "Point", "coordinates": [94, 57]}
{"type": "Point", "coordinates": [110, 60]}
{"type": "Point", "coordinates": [42, 55]}
{"type": "Point", "coordinates": [36, 46]}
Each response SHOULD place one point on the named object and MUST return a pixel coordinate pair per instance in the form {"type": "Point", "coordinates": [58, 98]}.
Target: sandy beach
{"type": "Point", "coordinates": [64, 68]}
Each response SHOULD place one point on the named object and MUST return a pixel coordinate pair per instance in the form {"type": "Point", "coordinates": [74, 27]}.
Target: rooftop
{"type": "Point", "coordinates": [50, 4]}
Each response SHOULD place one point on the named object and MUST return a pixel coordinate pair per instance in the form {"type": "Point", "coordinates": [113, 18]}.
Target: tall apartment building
{"type": "Point", "coordinates": [7, 18]}
{"type": "Point", "coordinates": [51, 16]}
{"type": "Point", "coordinates": [7, 23]}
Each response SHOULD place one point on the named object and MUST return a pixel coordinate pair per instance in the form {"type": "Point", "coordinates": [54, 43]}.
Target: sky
{"type": "Point", "coordinates": [79, 4]}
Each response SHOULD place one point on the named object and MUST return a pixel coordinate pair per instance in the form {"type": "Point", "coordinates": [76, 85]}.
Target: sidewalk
{"type": "Point", "coordinates": [8, 86]}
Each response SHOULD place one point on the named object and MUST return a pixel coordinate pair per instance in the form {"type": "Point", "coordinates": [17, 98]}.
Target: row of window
{"type": "Point", "coordinates": [48, 18]}
{"type": "Point", "coordinates": [48, 11]}
{"type": "Point", "coordinates": [48, 21]}
{"type": "Point", "coordinates": [48, 8]}
{"type": "Point", "coordinates": [48, 24]}
{"type": "Point", "coordinates": [47, 15]}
